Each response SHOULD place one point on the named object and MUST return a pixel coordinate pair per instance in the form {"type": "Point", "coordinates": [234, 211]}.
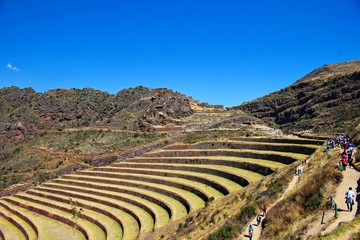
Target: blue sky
{"type": "Point", "coordinates": [221, 52]}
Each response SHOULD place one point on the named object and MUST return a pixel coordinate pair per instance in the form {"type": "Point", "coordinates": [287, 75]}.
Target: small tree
{"type": "Point", "coordinates": [77, 213]}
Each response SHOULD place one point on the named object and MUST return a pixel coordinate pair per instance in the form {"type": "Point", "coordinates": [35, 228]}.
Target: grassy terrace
{"type": "Point", "coordinates": [297, 156]}
{"type": "Point", "coordinates": [9, 230]}
{"type": "Point", "coordinates": [197, 189]}
{"type": "Point", "coordinates": [247, 164]}
{"type": "Point", "coordinates": [232, 144]}
{"type": "Point", "coordinates": [190, 200]}
{"type": "Point", "coordinates": [132, 198]}
{"type": "Point", "coordinates": [108, 193]}
{"type": "Point", "coordinates": [121, 212]}
{"type": "Point", "coordinates": [166, 178]}
{"type": "Point", "coordinates": [204, 191]}
{"type": "Point", "coordinates": [173, 169]}
{"type": "Point", "coordinates": [146, 212]}
{"type": "Point", "coordinates": [280, 140]}
{"type": "Point", "coordinates": [93, 229]}
{"type": "Point", "coordinates": [240, 176]}
{"type": "Point", "coordinates": [189, 185]}
{"type": "Point", "coordinates": [187, 199]}
{"type": "Point", "coordinates": [225, 185]}
{"type": "Point", "coordinates": [48, 228]}
{"type": "Point", "coordinates": [196, 160]}
{"type": "Point", "coordinates": [24, 225]}
{"type": "Point", "coordinates": [175, 208]}
{"type": "Point", "coordinates": [115, 217]}
{"type": "Point", "coordinates": [286, 158]}
{"type": "Point", "coordinates": [109, 226]}
{"type": "Point", "coordinates": [225, 152]}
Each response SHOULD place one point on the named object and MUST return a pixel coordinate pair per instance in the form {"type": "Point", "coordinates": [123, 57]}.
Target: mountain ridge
{"type": "Point", "coordinates": [327, 99]}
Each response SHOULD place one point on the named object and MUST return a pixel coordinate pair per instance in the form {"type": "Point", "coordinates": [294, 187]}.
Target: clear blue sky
{"type": "Point", "coordinates": [221, 52]}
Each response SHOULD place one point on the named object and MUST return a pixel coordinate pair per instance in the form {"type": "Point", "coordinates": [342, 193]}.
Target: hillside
{"type": "Point", "coordinates": [46, 135]}
{"type": "Point", "coordinates": [156, 164]}
{"type": "Point", "coordinates": [24, 112]}
{"type": "Point", "coordinates": [326, 99]}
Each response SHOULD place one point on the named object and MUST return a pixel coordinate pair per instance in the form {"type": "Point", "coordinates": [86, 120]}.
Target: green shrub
{"type": "Point", "coordinates": [181, 227]}
{"type": "Point", "coordinates": [274, 188]}
{"type": "Point", "coordinates": [314, 202]}
{"type": "Point", "coordinates": [225, 232]}
{"type": "Point", "coordinates": [247, 213]}
{"type": "Point", "coordinates": [338, 177]}
{"type": "Point", "coordinates": [213, 237]}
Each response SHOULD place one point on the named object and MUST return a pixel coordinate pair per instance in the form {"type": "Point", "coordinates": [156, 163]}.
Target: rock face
{"type": "Point", "coordinates": [326, 99]}
{"type": "Point", "coordinates": [165, 106]}
{"type": "Point", "coordinates": [25, 112]}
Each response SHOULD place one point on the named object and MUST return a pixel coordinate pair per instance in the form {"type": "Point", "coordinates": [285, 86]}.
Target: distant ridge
{"type": "Point", "coordinates": [327, 99]}
{"type": "Point", "coordinates": [25, 112]}
{"type": "Point", "coordinates": [328, 69]}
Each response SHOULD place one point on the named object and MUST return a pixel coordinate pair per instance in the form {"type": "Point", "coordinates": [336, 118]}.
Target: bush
{"type": "Point", "coordinates": [225, 232]}
{"type": "Point", "coordinates": [247, 213]}
{"type": "Point", "coordinates": [181, 227]}
{"type": "Point", "coordinates": [338, 177]}
{"type": "Point", "coordinates": [314, 202]}
{"type": "Point", "coordinates": [274, 188]}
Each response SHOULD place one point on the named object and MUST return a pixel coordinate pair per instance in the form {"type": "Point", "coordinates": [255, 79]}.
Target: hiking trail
{"type": "Point", "coordinates": [350, 179]}
{"type": "Point", "coordinates": [258, 229]}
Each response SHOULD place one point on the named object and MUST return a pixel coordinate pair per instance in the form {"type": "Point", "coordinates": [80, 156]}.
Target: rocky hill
{"type": "Point", "coordinates": [45, 135]}
{"type": "Point", "coordinates": [327, 99]}
{"type": "Point", "coordinates": [25, 112]}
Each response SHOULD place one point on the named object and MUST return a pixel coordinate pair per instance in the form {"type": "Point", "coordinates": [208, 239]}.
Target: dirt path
{"type": "Point", "coordinates": [258, 229]}
{"type": "Point", "coordinates": [351, 177]}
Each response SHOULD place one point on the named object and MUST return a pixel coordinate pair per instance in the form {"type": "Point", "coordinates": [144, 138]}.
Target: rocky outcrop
{"type": "Point", "coordinates": [326, 99]}
{"type": "Point", "coordinates": [24, 112]}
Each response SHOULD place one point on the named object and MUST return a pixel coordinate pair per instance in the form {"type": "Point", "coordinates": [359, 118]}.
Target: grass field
{"type": "Point", "coordinates": [134, 198]}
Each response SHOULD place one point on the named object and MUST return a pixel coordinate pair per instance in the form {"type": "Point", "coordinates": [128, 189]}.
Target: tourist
{"type": "Point", "coordinates": [344, 160]}
{"type": "Point", "coordinates": [264, 210]}
{"type": "Point", "coordinates": [349, 154]}
{"type": "Point", "coordinates": [258, 219]}
{"type": "Point", "coordinates": [349, 196]}
{"type": "Point", "coordinates": [251, 231]}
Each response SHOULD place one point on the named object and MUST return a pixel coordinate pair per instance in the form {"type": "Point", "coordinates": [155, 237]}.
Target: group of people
{"type": "Point", "coordinates": [258, 221]}
{"type": "Point", "coordinates": [346, 156]}
{"type": "Point", "coordinates": [343, 142]}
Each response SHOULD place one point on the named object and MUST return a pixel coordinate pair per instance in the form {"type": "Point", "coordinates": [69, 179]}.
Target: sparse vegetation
{"type": "Point", "coordinates": [225, 232]}
{"type": "Point", "coordinates": [246, 213]}
{"type": "Point", "coordinates": [349, 229]}
{"type": "Point", "coordinates": [47, 157]}
{"type": "Point", "coordinates": [308, 199]}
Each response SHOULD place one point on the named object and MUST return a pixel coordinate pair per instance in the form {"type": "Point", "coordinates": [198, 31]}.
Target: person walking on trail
{"type": "Point", "coordinates": [349, 154]}
{"type": "Point", "coordinates": [258, 220]}
{"type": "Point", "coordinates": [349, 196]}
{"type": "Point", "coordinates": [251, 231]}
{"type": "Point", "coordinates": [344, 160]}
{"type": "Point", "coordinates": [264, 210]}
